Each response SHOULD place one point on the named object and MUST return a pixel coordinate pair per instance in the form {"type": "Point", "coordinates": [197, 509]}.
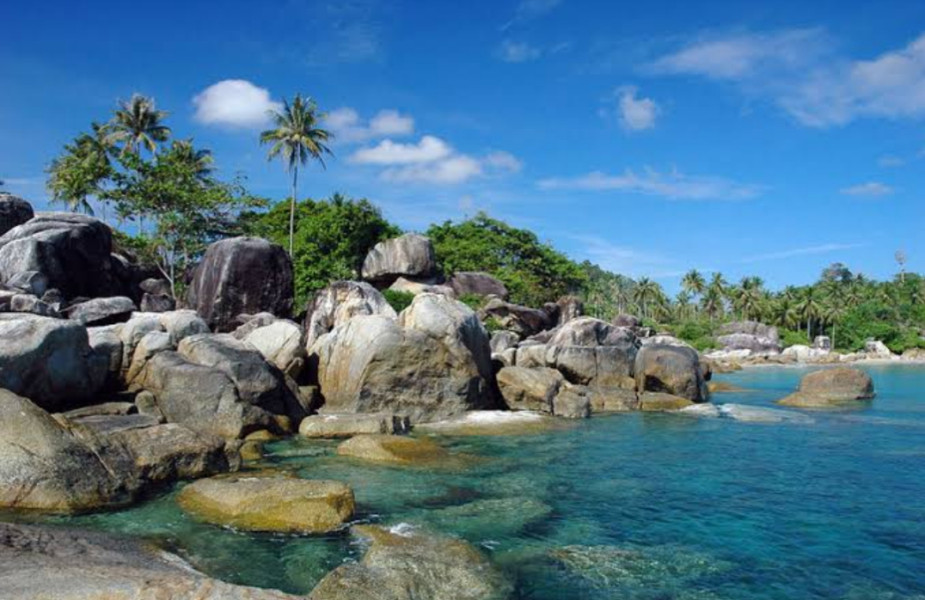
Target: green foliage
{"type": "Point", "coordinates": [332, 237]}
{"type": "Point", "coordinates": [789, 337]}
{"type": "Point", "coordinates": [398, 300]}
{"type": "Point", "coordinates": [128, 164]}
{"type": "Point", "coordinates": [492, 324]}
{"type": "Point", "coordinates": [533, 272]}
{"type": "Point", "coordinates": [605, 294]}
{"type": "Point", "coordinates": [473, 301]}
{"type": "Point", "coordinates": [699, 333]}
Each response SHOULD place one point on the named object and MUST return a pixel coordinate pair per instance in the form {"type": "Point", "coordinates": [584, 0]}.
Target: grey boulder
{"type": "Point", "coordinates": [410, 255]}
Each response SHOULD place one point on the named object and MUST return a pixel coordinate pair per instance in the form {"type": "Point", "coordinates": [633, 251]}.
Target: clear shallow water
{"type": "Point", "coordinates": [653, 507]}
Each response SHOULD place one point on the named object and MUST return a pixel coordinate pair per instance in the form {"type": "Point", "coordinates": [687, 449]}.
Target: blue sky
{"type": "Point", "coordinates": [750, 138]}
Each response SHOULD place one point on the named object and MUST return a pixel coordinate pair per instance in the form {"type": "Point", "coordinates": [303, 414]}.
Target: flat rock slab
{"type": "Point", "coordinates": [345, 425]}
{"type": "Point", "coordinates": [270, 504]}
{"type": "Point", "coordinates": [495, 422]}
{"type": "Point", "coordinates": [661, 402]}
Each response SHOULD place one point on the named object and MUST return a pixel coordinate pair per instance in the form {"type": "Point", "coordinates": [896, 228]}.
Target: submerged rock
{"type": "Point", "coordinates": [395, 449]}
{"type": "Point", "coordinates": [660, 402]}
{"type": "Point", "coordinates": [832, 388]}
{"type": "Point", "coordinates": [403, 563]}
{"type": "Point", "coordinates": [490, 518]}
{"type": "Point", "coordinates": [745, 413]}
{"type": "Point", "coordinates": [41, 563]}
{"type": "Point", "coordinates": [284, 505]}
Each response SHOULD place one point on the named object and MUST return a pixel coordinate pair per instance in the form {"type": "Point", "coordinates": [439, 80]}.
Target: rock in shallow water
{"type": "Point", "coordinates": [491, 518]}
{"type": "Point", "coordinates": [832, 388]}
{"type": "Point", "coordinates": [404, 563]}
{"type": "Point", "coordinates": [345, 425]}
{"type": "Point", "coordinates": [270, 504]}
{"type": "Point", "coordinates": [41, 563]}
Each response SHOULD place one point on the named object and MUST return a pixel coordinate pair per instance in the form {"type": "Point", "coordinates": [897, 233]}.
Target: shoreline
{"type": "Point", "coordinates": [862, 362]}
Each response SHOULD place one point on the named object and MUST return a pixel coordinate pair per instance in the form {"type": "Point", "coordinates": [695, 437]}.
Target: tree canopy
{"type": "Point", "coordinates": [534, 272]}
{"type": "Point", "coordinates": [331, 238]}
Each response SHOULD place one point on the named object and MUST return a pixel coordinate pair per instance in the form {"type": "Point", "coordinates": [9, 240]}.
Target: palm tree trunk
{"type": "Point", "coordinates": [295, 187]}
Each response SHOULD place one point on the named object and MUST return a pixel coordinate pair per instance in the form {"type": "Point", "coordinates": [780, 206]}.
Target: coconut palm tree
{"type": "Point", "coordinates": [809, 307]}
{"type": "Point", "coordinates": [693, 283]}
{"type": "Point", "coordinates": [296, 138]}
{"type": "Point", "coordinates": [77, 174]}
{"type": "Point", "coordinates": [137, 125]}
{"type": "Point", "coordinates": [645, 292]}
{"type": "Point", "coordinates": [199, 159]}
{"type": "Point", "coordinates": [833, 312]}
{"type": "Point", "coordinates": [683, 304]}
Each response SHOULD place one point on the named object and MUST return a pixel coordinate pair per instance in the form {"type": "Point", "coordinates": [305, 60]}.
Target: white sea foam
{"type": "Point", "coordinates": [746, 413]}
{"type": "Point", "coordinates": [403, 529]}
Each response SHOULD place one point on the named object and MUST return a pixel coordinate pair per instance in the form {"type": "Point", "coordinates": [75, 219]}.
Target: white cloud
{"type": "Point", "coordinates": [234, 103]}
{"type": "Point", "coordinates": [433, 161]}
{"type": "Point", "coordinates": [517, 52]}
{"type": "Point", "coordinates": [387, 152]}
{"type": "Point", "coordinates": [347, 126]}
{"type": "Point", "coordinates": [808, 250]}
{"type": "Point", "coordinates": [870, 188]}
{"type": "Point", "coordinates": [801, 72]}
{"type": "Point", "coordinates": [672, 185]}
{"type": "Point", "coordinates": [451, 170]}
{"type": "Point", "coordinates": [635, 114]}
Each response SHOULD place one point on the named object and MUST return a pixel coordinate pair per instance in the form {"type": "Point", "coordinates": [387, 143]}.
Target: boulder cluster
{"type": "Point", "coordinates": [112, 386]}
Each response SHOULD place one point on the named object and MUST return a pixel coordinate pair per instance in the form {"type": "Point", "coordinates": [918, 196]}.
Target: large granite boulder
{"type": "Point", "coordinates": [674, 370]}
{"type": "Point", "coordinates": [49, 361]}
{"type": "Point", "coordinates": [242, 275]}
{"type": "Point", "coordinates": [404, 563]}
{"type": "Point", "coordinates": [568, 308]}
{"type": "Point", "coordinates": [73, 251]}
{"type": "Point", "coordinates": [590, 332]}
{"type": "Point", "coordinates": [44, 466]}
{"type": "Point", "coordinates": [345, 425]}
{"type": "Point", "coordinates": [410, 255]}
{"type": "Point", "coordinates": [421, 286]}
{"type": "Point", "coordinates": [44, 563]}
{"type": "Point", "coordinates": [479, 284]}
{"type": "Point", "coordinates": [611, 365]}
{"type": "Point", "coordinates": [523, 320]}
{"type": "Point", "coordinates": [340, 302]}
{"type": "Point", "coordinates": [258, 382]}
{"type": "Point", "coordinates": [373, 364]}
{"type": "Point", "coordinates": [832, 388]}
{"type": "Point", "coordinates": [102, 311]}
{"type": "Point", "coordinates": [750, 335]}
{"type": "Point", "coordinates": [282, 344]}
{"type": "Point", "coordinates": [13, 211]}
{"type": "Point", "coordinates": [201, 398]}
{"type": "Point", "coordinates": [277, 504]}
{"type": "Point", "coordinates": [529, 389]}
{"type": "Point", "coordinates": [394, 449]}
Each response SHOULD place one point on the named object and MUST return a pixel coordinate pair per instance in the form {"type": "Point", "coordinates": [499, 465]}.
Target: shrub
{"type": "Point", "coordinates": [398, 300]}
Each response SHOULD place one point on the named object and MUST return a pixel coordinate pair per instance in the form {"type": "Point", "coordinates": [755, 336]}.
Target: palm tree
{"type": "Point", "coordinates": [136, 124]}
{"type": "Point", "coordinates": [683, 304]}
{"type": "Point", "coordinates": [833, 312]}
{"type": "Point", "coordinates": [809, 308]}
{"type": "Point", "coordinates": [645, 292]}
{"type": "Point", "coordinates": [693, 283]}
{"type": "Point", "coordinates": [200, 160]}
{"type": "Point", "coordinates": [78, 172]}
{"type": "Point", "coordinates": [296, 138]}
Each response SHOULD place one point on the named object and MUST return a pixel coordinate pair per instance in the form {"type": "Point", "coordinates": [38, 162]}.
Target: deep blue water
{"type": "Point", "coordinates": [647, 506]}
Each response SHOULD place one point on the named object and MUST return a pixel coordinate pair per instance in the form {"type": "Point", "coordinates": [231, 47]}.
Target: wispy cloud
{"type": "Point", "coordinates": [804, 251]}
{"type": "Point", "coordinates": [673, 185]}
{"type": "Point", "coordinates": [347, 126]}
{"type": "Point", "coordinates": [528, 10]}
{"type": "Point", "coordinates": [870, 188]}
{"type": "Point", "coordinates": [890, 161]}
{"type": "Point", "coordinates": [801, 71]}
{"type": "Point", "coordinates": [234, 103]}
{"type": "Point", "coordinates": [517, 52]}
{"type": "Point", "coordinates": [625, 260]}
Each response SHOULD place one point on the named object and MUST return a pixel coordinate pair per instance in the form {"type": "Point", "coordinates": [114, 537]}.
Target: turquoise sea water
{"type": "Point", "coordinates": [647, 506]}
